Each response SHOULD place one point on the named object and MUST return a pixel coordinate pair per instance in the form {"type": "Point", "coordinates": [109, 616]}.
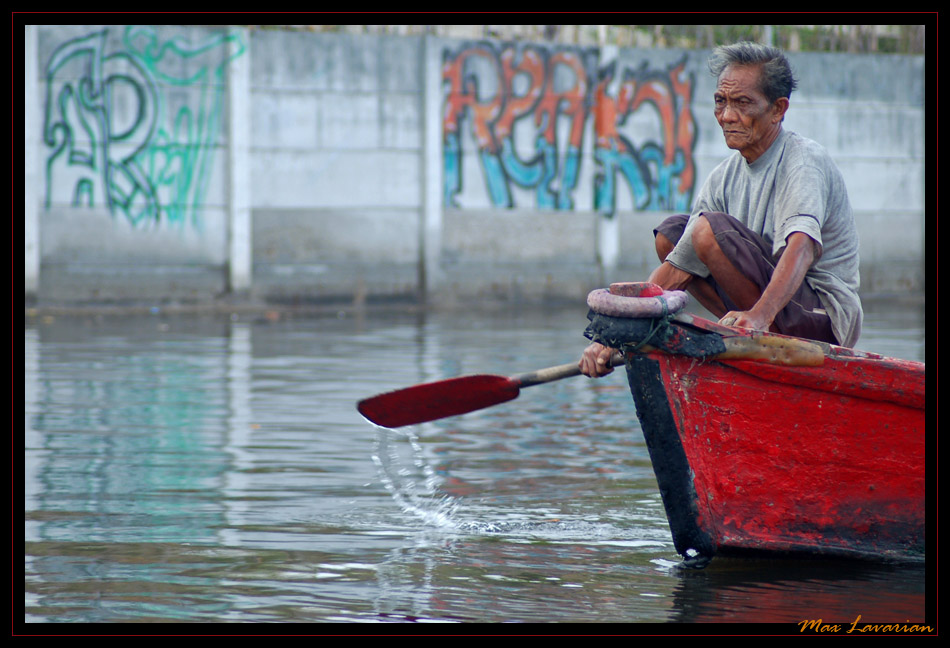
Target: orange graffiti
{"type": "Point", "coordinates": [494, 87]}
{"type": "Point", "coordinates": [463, 94]}
{"type": "Point", "coordinates": [531, 65]}
{"type": "Point", "coordinates": [569, 102]}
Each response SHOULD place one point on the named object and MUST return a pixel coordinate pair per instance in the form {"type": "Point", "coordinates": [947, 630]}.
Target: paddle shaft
{"type": "Point", "coordinates": [551, 374]}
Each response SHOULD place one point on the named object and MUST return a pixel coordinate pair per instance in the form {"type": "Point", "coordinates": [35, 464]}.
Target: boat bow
{"type": "Point", "coordinates": [763, 443]}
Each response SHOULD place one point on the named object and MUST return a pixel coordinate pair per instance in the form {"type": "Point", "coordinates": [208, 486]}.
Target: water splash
{"type": "Point", "coordinates": [413, 484]}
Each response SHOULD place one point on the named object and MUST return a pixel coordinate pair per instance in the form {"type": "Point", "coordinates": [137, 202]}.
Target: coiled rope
{"type": "Point", "coordinates": [638, 301]}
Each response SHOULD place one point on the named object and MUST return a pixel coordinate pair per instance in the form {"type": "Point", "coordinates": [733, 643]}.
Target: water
{"type": "Point", "coordinates": [214, 469]}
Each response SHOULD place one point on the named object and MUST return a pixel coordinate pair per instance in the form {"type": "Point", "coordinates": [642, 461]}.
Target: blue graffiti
{"type": "Point", "coordinates": [155, 166]}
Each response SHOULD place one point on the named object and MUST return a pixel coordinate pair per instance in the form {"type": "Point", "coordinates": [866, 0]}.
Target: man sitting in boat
{"type": "Point", "coordinates": [771, 242]}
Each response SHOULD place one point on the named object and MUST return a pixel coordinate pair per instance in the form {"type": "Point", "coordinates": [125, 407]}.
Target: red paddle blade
{"type": "Point", "coordinates": [437, 400]}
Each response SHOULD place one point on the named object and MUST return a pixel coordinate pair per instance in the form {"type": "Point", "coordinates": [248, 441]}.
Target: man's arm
{"type": "Point", "coordinates": [669, 277]}
{"type": "Point", "coordinates": [795, 261]}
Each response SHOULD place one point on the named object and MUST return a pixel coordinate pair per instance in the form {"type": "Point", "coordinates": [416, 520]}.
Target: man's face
{"type": "Point", "coordinates": [748, 121]}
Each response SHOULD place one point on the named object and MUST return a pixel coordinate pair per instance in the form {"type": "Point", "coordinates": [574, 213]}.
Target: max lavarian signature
{"type": "Point", "coordinates": [859, 627]}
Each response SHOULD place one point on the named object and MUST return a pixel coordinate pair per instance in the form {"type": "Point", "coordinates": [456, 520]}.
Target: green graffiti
{"type": "Point", "coordinates": [136, 129]}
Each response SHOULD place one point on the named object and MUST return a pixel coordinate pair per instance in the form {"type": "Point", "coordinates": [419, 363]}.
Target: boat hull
{"type": "Point", "coordinates": [756, 458]}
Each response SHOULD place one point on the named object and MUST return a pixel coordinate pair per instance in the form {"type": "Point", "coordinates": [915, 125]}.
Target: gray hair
{"type": "Point", "coordinates": [776, 79]}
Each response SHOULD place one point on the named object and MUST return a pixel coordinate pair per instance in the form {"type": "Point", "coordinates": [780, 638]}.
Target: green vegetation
{"type": "Point", "coordinates": [881, 39]}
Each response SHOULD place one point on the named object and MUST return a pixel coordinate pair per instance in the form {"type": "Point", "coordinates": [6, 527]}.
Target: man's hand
{"type": "Point", "coordinates": [746, 319]}
{"type": "Point", "coordinates": [595, 362]}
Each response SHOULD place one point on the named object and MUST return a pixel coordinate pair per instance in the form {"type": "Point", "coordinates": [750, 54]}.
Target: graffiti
{"type": "Point", "coordinates": [133, 121]}
{"type": "Point", "coordinates": [135, 129]}
{"type": "Point", "coordinates": [526, 110]}
{"type": "Point", "coordinates": [660, 174]}
{"type": "Point", "coordinates": [499, 90]}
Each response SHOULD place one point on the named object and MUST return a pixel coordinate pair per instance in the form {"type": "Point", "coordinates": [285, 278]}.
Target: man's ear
{"type": "Point", "coordinates": [779, 108]}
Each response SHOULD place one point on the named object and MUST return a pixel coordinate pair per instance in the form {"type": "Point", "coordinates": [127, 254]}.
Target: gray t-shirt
{"type": "Point", "coordinates": [792, 187]}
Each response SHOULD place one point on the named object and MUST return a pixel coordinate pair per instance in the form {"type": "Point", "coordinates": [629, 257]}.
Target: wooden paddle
{"type": "Point", "coordinates": [455, 396]}
{"type": "Point", "coordinates": [436, 400]}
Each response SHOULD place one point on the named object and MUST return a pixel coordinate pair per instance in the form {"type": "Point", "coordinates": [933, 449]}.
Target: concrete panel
{"type": "Point", "coordinates": [517, 282]}
{"type": "Point", "coordinates": [892, 251]}
{"type": "Point", "coordinates": [333, 235]}
{"type": "Point", "coordinates": [285, 120]}
{"type": "Point", "coordinates": [174, 182]}
{"type": "Point", "coordinates": [135, 123]}
{"type": "Point", "coordinates": [400, 125]}
{"type": "Point", "coordinates": [859, 78]}
{"type": "Point", "coordinates": [847, 129]}
{"type": "Point", "coordinates": [886, 184]}
{"type": "Point", "coordinates": [345, 283]}
{"type": "Point", "coordinates": [300, 60]}
{"type": "Point", "coordinates": [350, 121]}
{"type": "Point", "coordinates": [890, 236]}
{"type": "Point", "coordinates": [131, 284]}
{"type": "Point", "coordinates": [336, 254]}
{"type": "Point", "coordinates": [529, 236]}
{"type": "Point", "coordinates": [518, 255]}
{"type": "Point", "coordinates": [400, 65]}
{"type": "Point", "coordinates": [340, 178]}
{"type": "Point", "coordinates": [93, 236]}
{"type": "Point", "coordinates": [637, 241]}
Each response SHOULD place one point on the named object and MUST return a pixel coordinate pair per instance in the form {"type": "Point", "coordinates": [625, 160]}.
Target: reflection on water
{"type": "Point", "coordinates": [215, 469]}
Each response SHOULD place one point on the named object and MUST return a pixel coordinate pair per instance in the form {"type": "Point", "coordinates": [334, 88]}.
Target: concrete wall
{"type": "Point", "coordinates": [191, 163]}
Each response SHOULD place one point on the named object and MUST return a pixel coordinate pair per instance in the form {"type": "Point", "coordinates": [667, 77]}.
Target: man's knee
{"type": "Point", "coordinates": [704, 239]}
{"type": "Point", "coordinates": [663, 246]}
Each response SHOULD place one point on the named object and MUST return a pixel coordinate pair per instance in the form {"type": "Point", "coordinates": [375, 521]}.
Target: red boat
{"type": "Point", "coordinates": [764, 444]}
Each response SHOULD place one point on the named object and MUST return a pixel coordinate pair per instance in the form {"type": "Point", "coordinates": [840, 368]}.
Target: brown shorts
{"type": "Point", "coordinates": [804, 316]}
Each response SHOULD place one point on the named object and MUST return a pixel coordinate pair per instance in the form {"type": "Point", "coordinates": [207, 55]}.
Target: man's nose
{"type": "Point", "coordinates": [728, 113]}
